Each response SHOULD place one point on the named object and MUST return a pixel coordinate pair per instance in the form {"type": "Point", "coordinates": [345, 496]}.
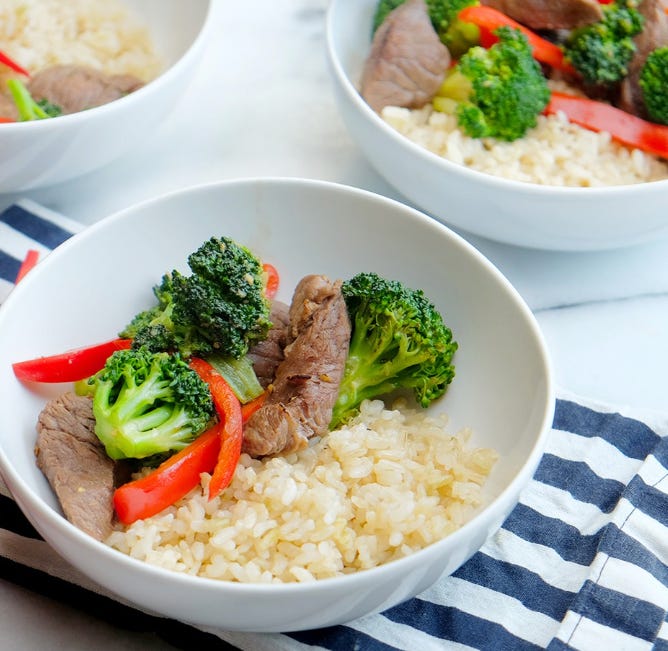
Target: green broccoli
{"type": "Point", "coordinates": [654, 85]}
{"type": "Point", "coordinates": [219, 309]}
{"type": "Point", "coordinates": [601, 51]}
{"type": "Point", "coordinates": [398, 341]}
{"type": "Point", "coordinates": [147, 403]}
{"type": "Point", "coordinates": [455, 34]}
{"type": "Point", "coordinates": [497, 92]}
{"type": "Point", "coordinates": [28, 108]}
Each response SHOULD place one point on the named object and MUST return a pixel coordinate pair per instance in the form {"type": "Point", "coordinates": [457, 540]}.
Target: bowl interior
{"type": "Point", "coordinates": [88, 289]}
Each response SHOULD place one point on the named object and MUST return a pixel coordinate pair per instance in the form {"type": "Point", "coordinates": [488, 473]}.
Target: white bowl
{"type": "Point", "coordinates": [559, 218]}
{"type": "Point", "coordinates": [43, 152]}
{"type": "Point", "coordinates": [90, 286]}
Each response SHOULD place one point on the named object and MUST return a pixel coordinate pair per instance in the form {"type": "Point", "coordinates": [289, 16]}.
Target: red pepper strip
{"type": "Point", "coordinates": [5, 120]}
{"type": "Point", "coordinates": [31, 259]}
{"type": "Point", "coordinates": [10, 63]}
{"type": "Point", "coordinates": [170, 481]}
{"type": "Point", "coordinates": [273, 280]}
{"type": "Point", "coordinates": [70, 366]}
{"type": "Point", "coordinates": [251, 407]}
{"type": "Point", "coordinates": [489, 19]}
{"type": "Point", "coordinates": [228, 408]}
{"type": "Point", "coordinates": [622, 126]}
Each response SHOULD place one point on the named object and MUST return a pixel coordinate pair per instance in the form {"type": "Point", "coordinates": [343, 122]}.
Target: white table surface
{"type": "Point", "coordinates": [261, 105]}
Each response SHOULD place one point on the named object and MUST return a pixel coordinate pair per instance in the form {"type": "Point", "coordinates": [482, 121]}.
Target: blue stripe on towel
{"type": "Point", "coordinates": [9, 267]}
{"type": "Point", "coordinates": [35, 227]}
{"type": "Point", "coordinates": [578, 479]}
{"type": "Point", "coordinates": [510, 579]}
{"type": "Point", "coordinates": [632, 437]}
{"type": "Point", "coordinates": [552, 532]}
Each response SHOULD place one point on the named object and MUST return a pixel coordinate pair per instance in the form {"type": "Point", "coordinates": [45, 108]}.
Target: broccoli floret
{"type": "Point", "coordinates": [601, 51]}
{"type": "Point", "coordinates": [219, 309]}
{"type": "Point", "coordinates": [654, 85]}
{"type": "Point", "coordinates": [497, 92]}
{"type": "Point", "coordinates": [458, 36]}
{"type": "Point", "coordinates": [398, 341]}
{"type": "Point", "coordinates": [27, 107]}
{"type": "Point", "coordinates": [148, 403]}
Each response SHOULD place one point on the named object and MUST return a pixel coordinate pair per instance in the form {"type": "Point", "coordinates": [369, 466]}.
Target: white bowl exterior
{"type": "Point", "coordinates": [503, 388]}
{"type": "Point", "coordinates": [575, 219]}
{"type": "Point", "coordinates": [45, 152]}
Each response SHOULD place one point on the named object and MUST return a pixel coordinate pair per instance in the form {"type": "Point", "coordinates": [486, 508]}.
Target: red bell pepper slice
{"type": "Point", "coordinates": [70, 366]}
{"type": "Point", "coordinates": [10, 63]}
{"type": "Point", "coordinates": [31, 259]}
{"type": "Point", "coordinates": [6, 120]}
{"type": "Point", "coordinates": [228, 408]}
{"type": "Point", "coordinates": [622, 126]}
{"type": "Point", "coordinates": [488, 20]}
{"type": "Point", "coordinates": [273, 280]}
{"type": "Point", "coordinates": [170, 481]}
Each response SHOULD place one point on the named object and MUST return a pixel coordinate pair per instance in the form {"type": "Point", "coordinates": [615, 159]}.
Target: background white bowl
{"type": "Point", "coordinates": [44, 152]}
{"type": "Point", "coordinates": [88, 289]}
{"type": "Point", "coordinates": [559, 218]}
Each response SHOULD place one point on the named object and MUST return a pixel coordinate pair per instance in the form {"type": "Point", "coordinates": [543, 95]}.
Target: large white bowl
{"type": "Point", "coordinates": [44, 152]}
{"type": "Point", "coordinates": [559, 218]}
{"type": "Point", "coordinates": [90, 286]}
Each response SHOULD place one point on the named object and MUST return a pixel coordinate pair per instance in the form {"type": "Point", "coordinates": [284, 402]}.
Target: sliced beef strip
{"type": "Point", "coordinates": [307, 380]}
{"type": "Point", "coordinates": [407, 62]}
{"type": "Point", "coordinates": [268, 354]}
{"type": "Point", "coordinates": [77, 88]}
{"type": "Point", "coordinates": [653, 35]}
{"type": "Point", "coordinates": [8, 108]}
{"type": "Point", "coordinates": [548, 14]}
{"type": "Point", "coordinates": [75, 463]}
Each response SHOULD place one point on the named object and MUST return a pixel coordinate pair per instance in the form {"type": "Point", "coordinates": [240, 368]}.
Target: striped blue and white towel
{"type": "Point", "coordinates": [581, 562]}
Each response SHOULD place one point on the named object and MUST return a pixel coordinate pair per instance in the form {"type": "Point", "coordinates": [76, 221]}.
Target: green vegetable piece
{"type": "Point", "coordinates": [497, 92]}
{"type": "Point", "coordinates": [27, 107]}
{"type": "Point", "coordinates": [147, 403]}
{"type": "Point", "coordinates": [398, 341]}
{"type": "Point", "coordinates": [654, 85]}
{"type": "Point", "coordinates": [602, 51]}
{"type": "Point", "coordinates": [219, 309]}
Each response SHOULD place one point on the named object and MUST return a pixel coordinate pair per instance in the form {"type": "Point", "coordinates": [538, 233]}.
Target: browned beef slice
{"type": "Point", "coordinates": [268, 354]}
{"type": "Point", "coordinates": [77, 88]}
{"type": "Point", "coordinates": [8, 108]}
{"type": "Point", "coordinates": [548, 14]}
{"type": "Point", "coordinates": [307, 380]}
{"type": "Point", "coordinates": [75, 463]}
{"type": "Point", "coordinates": [407, 62]}
{"type": "Point", "coordinates": [654, 35]}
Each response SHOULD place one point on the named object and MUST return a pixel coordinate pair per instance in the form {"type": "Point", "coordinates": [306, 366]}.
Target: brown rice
{"type": "Point", "coordinates": [383, 487]}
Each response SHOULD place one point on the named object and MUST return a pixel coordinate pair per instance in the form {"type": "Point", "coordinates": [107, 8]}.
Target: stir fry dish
{"type": "Point", "coordinates": [498, 70]}
{"type": "Point", "coordinates": [219, 374]}
{"type": "Point", "coordinates": [78, 56]}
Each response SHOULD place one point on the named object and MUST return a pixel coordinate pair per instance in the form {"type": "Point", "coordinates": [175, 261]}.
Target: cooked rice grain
{"type": "Point", "coordinates": [103, 34]}
{"type": "Point", "coordinates": [555, 152]}
{"type": "Point", "coordinates": [385, 486]}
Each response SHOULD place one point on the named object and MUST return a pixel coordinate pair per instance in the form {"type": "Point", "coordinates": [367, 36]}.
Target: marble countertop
{"type": "Point", "coordinates": [261, 105]}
